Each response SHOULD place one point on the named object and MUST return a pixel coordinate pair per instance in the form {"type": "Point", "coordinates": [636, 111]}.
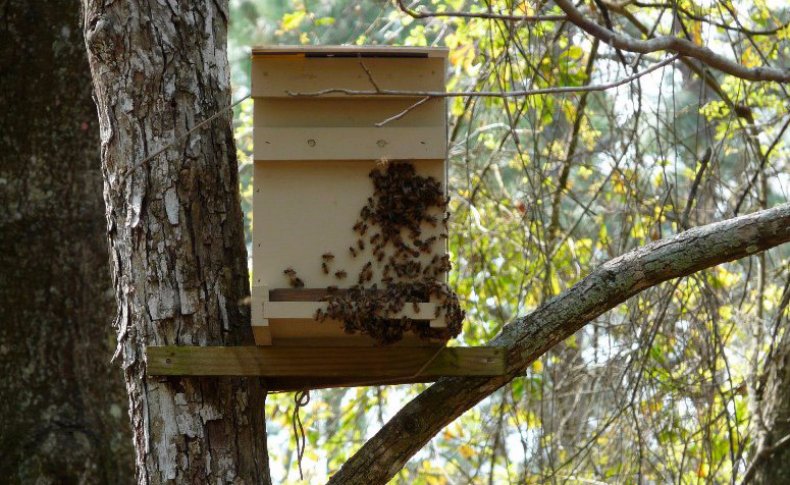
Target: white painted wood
{"type": "Point", "coordinates": [304, 209]}
{"type": "Point", "coordinates": [283, 76]}
{"type": "Point", "coordinates": [318, 143]}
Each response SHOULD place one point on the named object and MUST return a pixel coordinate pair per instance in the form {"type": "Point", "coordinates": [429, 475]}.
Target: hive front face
{"type": "Point", "coordinates": [316, 147]}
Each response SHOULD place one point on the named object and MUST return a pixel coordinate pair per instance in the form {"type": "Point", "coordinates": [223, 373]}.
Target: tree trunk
{"type": "Point", "coordinates": [175, 228]}
{"type": "Point", "coordinates": [771, 463]}
{"type": "Point", "coordinates": [62, 405]}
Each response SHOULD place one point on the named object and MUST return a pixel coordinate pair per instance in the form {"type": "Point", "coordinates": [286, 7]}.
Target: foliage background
{"type": "Point", "coordinates": [545, 188]}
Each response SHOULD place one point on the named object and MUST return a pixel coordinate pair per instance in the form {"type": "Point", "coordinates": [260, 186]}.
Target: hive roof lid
{"type": "Point", "coordinates": [349, 51]}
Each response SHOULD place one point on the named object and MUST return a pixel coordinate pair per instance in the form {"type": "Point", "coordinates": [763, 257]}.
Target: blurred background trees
{"type": "Point", "coordinates": [681, 384]}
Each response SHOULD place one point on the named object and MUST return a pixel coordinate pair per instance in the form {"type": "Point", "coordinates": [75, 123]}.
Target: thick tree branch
{"type": "Point", "coordinates": [674, 44]}
{"type": "Point", "coordinates": [529, 337]}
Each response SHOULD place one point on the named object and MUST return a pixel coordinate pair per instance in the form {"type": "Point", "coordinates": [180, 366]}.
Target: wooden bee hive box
{"type": "Point", "coordinates": [315, 146]}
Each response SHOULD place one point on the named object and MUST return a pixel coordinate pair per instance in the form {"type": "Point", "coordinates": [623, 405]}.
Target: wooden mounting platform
{"type": "Point", "coordinates": [287, 368]}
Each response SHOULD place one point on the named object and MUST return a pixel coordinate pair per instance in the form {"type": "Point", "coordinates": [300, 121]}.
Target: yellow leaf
{"type": "Point", "coordinates": [293, 20]}
{"type": "Point", "coordinates": [466, 451]}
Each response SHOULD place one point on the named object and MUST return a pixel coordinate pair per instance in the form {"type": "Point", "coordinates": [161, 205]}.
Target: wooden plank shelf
{"type": "Point", "coordinates": [299, 367]}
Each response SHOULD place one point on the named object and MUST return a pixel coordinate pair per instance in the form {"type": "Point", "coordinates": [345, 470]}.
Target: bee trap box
{"type": "Point", "coordinates": [349, 204]}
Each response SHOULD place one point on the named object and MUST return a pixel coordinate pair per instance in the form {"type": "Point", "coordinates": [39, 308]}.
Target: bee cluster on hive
{"type": "Point", "coordinates": [390, 225]}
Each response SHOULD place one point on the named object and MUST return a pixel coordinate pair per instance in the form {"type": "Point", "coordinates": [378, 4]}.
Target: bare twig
{"type": "Point", "coordinates": [183, 137]}
{"type": "Point", "coordinates": [370, 76]}
{"type": "Point", "coordinates": [422, 14]}
{"type": "Point", "coordinates": [488, 94]}
{"type": "Point", "coordinates": [699, 18]}
{"type": "Point", "coordinates": [404, 112]}
{"type": "Point", "coordinates": [703, 163]}
{"type": "Point", "coordinates": [763, 162]}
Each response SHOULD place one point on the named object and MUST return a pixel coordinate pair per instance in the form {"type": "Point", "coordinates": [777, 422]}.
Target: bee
{"type": "Point", "coordinates": [375, 238]}
{"type": "Point", "coordinates": [361, 244]}
{"type": "Point", "coordinates": [416, 307]}
{"type": "Point", "coordinates": [352, 251]}
{"type": "Point", "coordinates": [358, 226]}
{"type": "Point", "coordinates": [324, 268]}
{"type": "Point", "coordinates": [295, 282]}
{"type": "Point", "coordinates": [319, 315]}
{"type": "Point", "coordinates": [366, 274]}
{"type": "Point", "coordinates": [327, 257]}
{"type": "Point", "coordinates": [340, 274]}
{"type": "Point", "coordinates": [380, 256]}
{"type": "Point", "coordinates": [331, 289]}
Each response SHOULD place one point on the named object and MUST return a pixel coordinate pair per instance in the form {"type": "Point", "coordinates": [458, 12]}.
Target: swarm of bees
{"type": "Point", "coordinates": [390, 224]}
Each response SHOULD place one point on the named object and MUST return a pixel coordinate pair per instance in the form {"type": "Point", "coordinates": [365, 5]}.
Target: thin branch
{"type": "Point", "coordinates": [700, 18]}
{"type": "Point", "coordinates": [404, 112]}
{"type": "Point", "coordinates": [760, 169]}
{"type": "Point", "coordinates": [674, 44]}
{"type": "Point", "coordinates": [423, 14]}
{"type": "Point", "coordinates": [527, 338]}
{"type": "Point", "coordinates": [183, 137]}
{"type": "Point", "coordinates": [487, 94]}
{"type": "Point", "coordinates": [703, 163]}
{"type": "Point", "coordinates": [370, 77]}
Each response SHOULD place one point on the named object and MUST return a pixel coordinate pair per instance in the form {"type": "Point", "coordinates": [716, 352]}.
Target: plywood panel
{"type": "Point", "coordinates": [277, 76]}
{"type": "Point", "coordinates": [303, 209]}
{"type": "Point", "coordinates": [308, 143]}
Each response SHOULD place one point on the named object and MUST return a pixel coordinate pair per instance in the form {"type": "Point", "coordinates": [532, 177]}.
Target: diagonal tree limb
{"type": "Point", "coordinates": [674, 44]}
{"type": "Point", "coordinates": [527, 338]}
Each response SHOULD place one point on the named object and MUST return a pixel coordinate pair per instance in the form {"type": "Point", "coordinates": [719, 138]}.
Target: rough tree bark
{"type": "Point", "coordinates": [771, 461]}
{"type": "Point", "coordinates": [529, 337]}
{"type": "Point", "coordinates": [179, 264]}
{"type": "Point", "coordinates": [62, 405]}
